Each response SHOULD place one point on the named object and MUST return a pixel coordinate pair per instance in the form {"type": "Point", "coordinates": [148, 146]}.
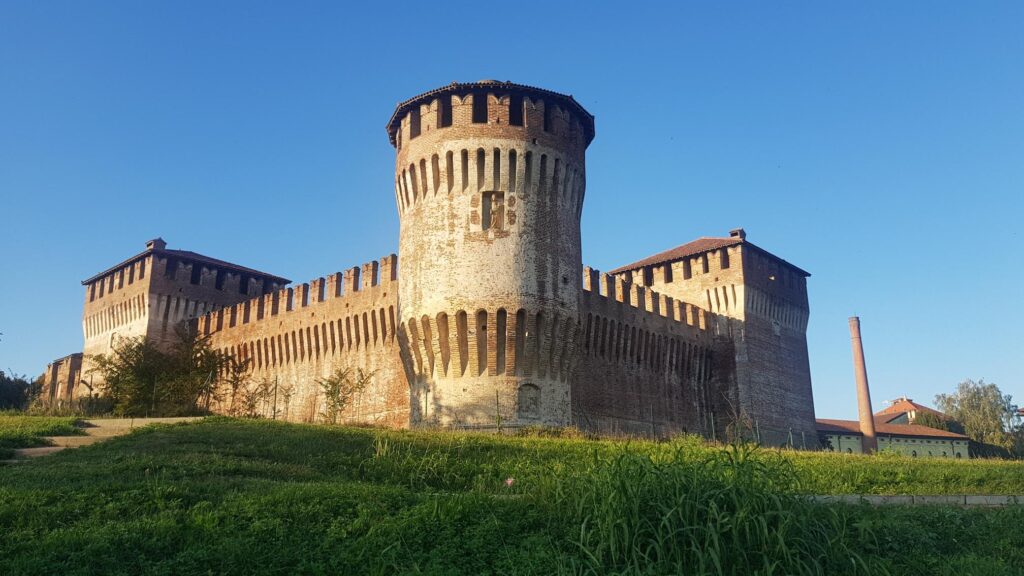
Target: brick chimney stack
{"type": "Point", "coordinates": [867, 419]}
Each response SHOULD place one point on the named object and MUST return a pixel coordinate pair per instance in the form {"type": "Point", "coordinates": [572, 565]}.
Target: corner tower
{"type": "Point", "coordinates": [489, 183]}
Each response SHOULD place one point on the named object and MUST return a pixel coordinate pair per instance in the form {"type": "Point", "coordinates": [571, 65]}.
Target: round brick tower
{"type": "Point", "coordinates": [489, 182]}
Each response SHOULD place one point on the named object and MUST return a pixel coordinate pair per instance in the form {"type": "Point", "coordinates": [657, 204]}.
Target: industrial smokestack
{"type": "Point", "coordinates": [860, 369]}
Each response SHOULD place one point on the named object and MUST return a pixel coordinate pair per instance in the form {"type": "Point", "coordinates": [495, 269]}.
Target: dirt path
{"type": "Point", "coordinates": [96, 430]}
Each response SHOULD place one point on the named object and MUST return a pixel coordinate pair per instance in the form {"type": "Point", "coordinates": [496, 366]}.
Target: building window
{"type": "Point", "coordinates": [414, 122]}
{"type": "Point", "coordinates": [480, 108]}
{"type": "Point", "coordinates": [444, 112]}
{"type": "Point", "coordinates": [515, 110]}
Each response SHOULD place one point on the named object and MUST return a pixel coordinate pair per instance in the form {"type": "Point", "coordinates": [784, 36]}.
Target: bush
{"type": "Point", "coordinates": [17, 392]}
{"type": "Point", "coordinates": [143, 380]}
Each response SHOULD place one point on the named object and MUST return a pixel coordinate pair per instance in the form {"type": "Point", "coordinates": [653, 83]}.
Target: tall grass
{"type": "Point", "coordinates": [731, 513]}
{"type": "Point", "coordinates": [685, 510]}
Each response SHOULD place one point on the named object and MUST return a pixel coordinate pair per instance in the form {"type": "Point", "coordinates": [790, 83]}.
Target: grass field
{"type": "Point", "coordinates": [18, 431]}
{"type": "Point", "coordinates": [258, 497]}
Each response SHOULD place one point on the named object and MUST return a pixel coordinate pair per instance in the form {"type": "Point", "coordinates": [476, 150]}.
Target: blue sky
{"type": "Point", "coordinates": [878, 146]}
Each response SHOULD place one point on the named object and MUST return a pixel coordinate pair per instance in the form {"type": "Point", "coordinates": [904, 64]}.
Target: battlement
{"type": "Point", "coordinates": [117, 278]}
{"type": "Point", "coordinates": [705, 262]}
{"type": "Point", "coordinates": [492, 107]}
{"type": "Point", "coordinates": [180, 267]}
{"type": "Point", "coordinates": [607, 290]}
{"type": "Point", "coordinates": [374, 276]}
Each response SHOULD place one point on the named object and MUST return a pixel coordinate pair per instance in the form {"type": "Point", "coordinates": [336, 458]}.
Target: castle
{"type": "Point", "coordinates": [487, 317]}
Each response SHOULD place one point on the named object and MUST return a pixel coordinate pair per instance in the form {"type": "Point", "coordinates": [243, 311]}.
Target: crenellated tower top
{"type": "Point", "coordinates": [494, 109]}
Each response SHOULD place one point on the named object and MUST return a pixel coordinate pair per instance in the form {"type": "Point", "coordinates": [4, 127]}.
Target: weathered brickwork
{"type": "Point", "coordinates": [762, 304]}
{"type": "Point", "coordinates": [293, 337]}
{"type": "Point", "coordinates": [490, 253]}
{"type": "Point", "coordinates": [645, 361]}
{"type": "Point", "coordinates": [61, 378]}
{"type": "Point", "coordinates": [488, 318]}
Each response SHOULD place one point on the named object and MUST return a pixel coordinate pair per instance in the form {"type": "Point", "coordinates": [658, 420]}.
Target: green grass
{"type": "Point", "coordinates": [18, 431]}
{"type": "Point", "coordinates": [257, 497]}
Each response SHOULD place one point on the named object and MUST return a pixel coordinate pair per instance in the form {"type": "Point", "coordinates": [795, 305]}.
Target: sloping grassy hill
{"type": "Point", "coordinates": [19, 431]}
{"type": "Point", "coordinates": [258, 497]}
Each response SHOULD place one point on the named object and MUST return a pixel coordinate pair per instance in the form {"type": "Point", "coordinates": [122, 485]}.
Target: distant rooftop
{"type": "Point", "coordinates": [157, 246]}
{"type": "Point", "coordinates": [902, 405]}
{"type": "Point", "coordinates": [883, 427]}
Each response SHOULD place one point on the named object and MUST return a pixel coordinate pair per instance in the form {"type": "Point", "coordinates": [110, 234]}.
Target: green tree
{"type": "Point", "coordinates": [987, 415]}
{"type": "Point", "coordinates": [339, 389]}
{"type": "Point", "coordinates": [142, 379]}
{"type": "Point", "coordinates": [938, 422]}
{"type": "Point", "coordinates": [17, 392]}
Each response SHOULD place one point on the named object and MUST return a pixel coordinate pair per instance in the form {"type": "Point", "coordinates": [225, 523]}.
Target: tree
{"type": "Point", "coordinates": [17, 392]}
{"type": "Point", "coordinates": [987, 415]}
{"type": "Point", "coordinates": [932, 420]}
{"type": "Point", "coordinates": [339, 388]}
{"type": "Point", "coordinates": [141, 379]}
{"type": "Point", "coordinates": [237, 379]}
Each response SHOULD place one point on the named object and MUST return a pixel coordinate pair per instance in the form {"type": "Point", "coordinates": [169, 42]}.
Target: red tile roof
{"type": "Point", "coordinates": [903, 405]}
{"type": "Point", "coordinates": [699, 246]}
{"type": "Point", "coordinates": [881, 427]}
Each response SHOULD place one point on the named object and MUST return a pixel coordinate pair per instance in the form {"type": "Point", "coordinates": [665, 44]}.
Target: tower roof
{"type": "Point", "coordinates": [699, 246]}
{"type": "Point", "coordinates": [158, 246]}
{"type": "Point", "coordinates": [566, 101]}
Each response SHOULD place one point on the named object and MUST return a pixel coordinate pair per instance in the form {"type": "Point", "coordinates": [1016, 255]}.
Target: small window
{"type": "Point", "coordinates": [480, 108]}
{"type": "Point", "coordinates": [515, 110]}
{"type": "Point", "coordinates": [548, 109]}
{"type": "Point", "coordinates": [414, 122]}
{"type": "Point", "coordinates": [444, 112]}
{"type": "Point", "coordinates": [913, 453]}
{"type": "Point", "coordinates": [492, 210]}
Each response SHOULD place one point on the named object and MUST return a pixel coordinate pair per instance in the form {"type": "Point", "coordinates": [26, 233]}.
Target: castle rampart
{"type": "Point", "coordinates": [645, 365]}
{"type": "Point", "coordinates": [293, 337]}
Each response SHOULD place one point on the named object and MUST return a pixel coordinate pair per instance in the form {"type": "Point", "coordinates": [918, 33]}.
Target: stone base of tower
{"type": "Point", "coordinates": [491, 403]}
{"type": "Point", "coordinates": [479, 370]}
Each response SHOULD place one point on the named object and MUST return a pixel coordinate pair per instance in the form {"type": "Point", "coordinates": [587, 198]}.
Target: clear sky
{"type": "Point", "coordinates": [878, 145]}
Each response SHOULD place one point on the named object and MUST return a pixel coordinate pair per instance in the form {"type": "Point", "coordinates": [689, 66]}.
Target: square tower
{"type": "Point", "coordinates": [761, 301]}
{"type": "Point", "coordinates": [151, 293]}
